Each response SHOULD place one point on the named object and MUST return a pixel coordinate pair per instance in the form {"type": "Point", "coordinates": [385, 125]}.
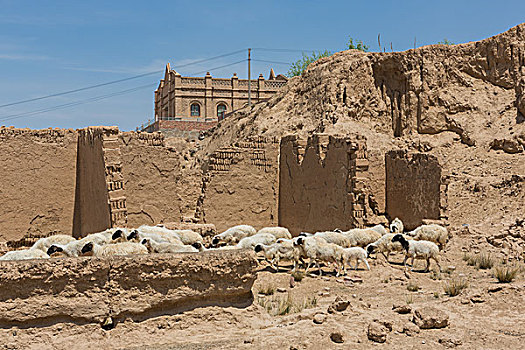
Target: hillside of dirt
{"type": "Point", "coordinates": [464, 103]}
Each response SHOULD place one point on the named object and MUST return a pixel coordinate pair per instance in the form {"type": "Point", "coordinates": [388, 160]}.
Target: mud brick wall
{"type": "Point", "coordinates": [88, 290]}
{"type": "Point", "coordinates": [152, 179]}
{"type": "Point", "coordinates": [37, 175]}
{"type": "Point", "coordinates": [322, 183]}
{"type": "Point", "coordinates": [414, 187]}
{"type": "Point", "coordinates": [100, 200]}
{"type": "Point", "coordinates": [241, 185]}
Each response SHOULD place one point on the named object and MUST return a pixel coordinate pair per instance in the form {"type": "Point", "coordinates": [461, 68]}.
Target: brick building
{"type": "Point", "coordinates": [187, 105]}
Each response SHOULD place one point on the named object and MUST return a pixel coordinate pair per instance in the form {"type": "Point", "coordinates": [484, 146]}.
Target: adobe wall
{"type": "Point", "coordinates": [92, 212]}
{"type": "Point", "coordinates": [241, 185]}
{"type": "Point", "coordinates": [414, 189]}
{"type": "Point", "coordinates": [154, 182]}
{"type": "Point", "coordinates": [322, 183]}
{"type": "Point", "coordinates": [88, 290]}
{"type": "Point", "coordinates": [37, 176]}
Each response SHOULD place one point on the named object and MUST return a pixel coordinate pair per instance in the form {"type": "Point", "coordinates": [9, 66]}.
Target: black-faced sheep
{"type": "Point", "coordinates": [418, 250]}
{"type": "Point", "coordinates": [318, 250]}
{"type": "Point", "coordinates": [233, 235]}
{"type": "Point", "coordinates": [125, 248]}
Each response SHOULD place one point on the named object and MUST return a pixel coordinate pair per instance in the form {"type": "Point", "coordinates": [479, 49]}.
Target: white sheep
{"type": "Point", "coordinates": [319, 250]}
{"type": "Point", "coordinates": [259, 238]}
{"type": "Point", "coordinates": [354, 253]}
{"type": "Point", "coordinates": [278, 232]}
{"type": "Point", "coordinates": [25, 254]}
{"type": "Point", "coordinates": [396, 226]}
{"type": "Point", "coordinates": [154, 247]}
{"type": "Point", "coordinates": [434, 233]}
{"type": "Point", "coordinates": [283, 249]}
{"type": "Point", "coordinates": [334, 237]}
{"type": "Point", "coordinates": [174, 236]}
{"type": "Point", "coordinates": [188, 237]}
{"type": "Point", "coordinates": [124, 248]}
{"type": "Point", "coordinates": [201, 248]}
{"type": "Point", "coordinates": [385, 245]}
{"type": "Point", "coordinates": [233, 235]}
{"type": "Point", "coordinates": [137, 236]}
{"type": "Point", "coordinates": [44, 243]}
{"type": "Point", "coordinates": [74, 247]}
{"type": "Point", "coordinates": [379, 228]}
{"type": "Point", "coordinates": [361, 237]}
{"type": "Point", "coordinates": [418, 250]}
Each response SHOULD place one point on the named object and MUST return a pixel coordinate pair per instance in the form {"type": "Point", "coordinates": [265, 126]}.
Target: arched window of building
{"type": "Point", "coordinates": [221, 110]}
{"type": "Point", "coordinates": [195, 110]}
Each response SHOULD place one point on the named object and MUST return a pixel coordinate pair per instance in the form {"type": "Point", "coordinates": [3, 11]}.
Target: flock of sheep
{"type": "Point", "coordinates": [275, 243]}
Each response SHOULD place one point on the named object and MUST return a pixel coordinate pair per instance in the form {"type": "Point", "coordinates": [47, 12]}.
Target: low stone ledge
{"type": "Point", "coordinates": [88, 290]}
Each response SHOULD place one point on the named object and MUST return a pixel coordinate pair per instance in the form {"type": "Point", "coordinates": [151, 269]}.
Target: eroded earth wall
{"type": "Point", "coordinates": [413, 187]}
{"type": "Point", "coordinates": [92, 212]}
{"type": "Point", "coordinates": [241, 185]}
{"type": "Point", "coordinates": [37, 175]}
{"type": "Point", "coordinates": [88, 290]}
{"type": "Point", "coordinates": [151, 175]}
{"type": "Point", "coordinates": [322, 183]}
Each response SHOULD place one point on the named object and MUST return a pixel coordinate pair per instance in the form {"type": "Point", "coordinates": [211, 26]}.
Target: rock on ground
{"type": "Point", "coordinates": [429, 317]}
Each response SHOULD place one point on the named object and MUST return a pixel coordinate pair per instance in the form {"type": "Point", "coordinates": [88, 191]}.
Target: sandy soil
{"type": "Point", "coordinates": [486, 314]}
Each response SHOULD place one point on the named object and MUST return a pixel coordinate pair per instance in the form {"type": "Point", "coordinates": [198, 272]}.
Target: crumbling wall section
{"type": "Point", "coordinates": [100, 200]}
{"type": "Point", "coordinates": [322, 183]}
{"type": "Point", "coordinates": [414, 188]}
{"type": "Point", "coordinates": [89, 290]}
{"type": "Point", "coordinates": [241, 185]}
{"type": "Point", "coordinates": [153, 176]}
{"type": "Point", "coordinates": [37, 176]}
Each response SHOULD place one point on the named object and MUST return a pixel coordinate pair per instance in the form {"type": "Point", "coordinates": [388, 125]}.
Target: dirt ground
{"type": "Point", "coordinates": [486, 314]}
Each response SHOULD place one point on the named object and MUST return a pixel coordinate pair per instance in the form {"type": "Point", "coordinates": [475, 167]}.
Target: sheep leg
{"type": "Point", "coordinates": [319, 267]}
{"type": "Point", "coordinates": [386, 256]}
{"type": "Point", "coordinates": [437, 262]}
{"type": "Point", "coordinates": [366, 263]}
{"type": "Point", "coordinates": [356, 263]}
{"type": "Point", "coordinates": [308, 266]}
{"type": "Point", "coordinates": [273, 265]}
{"type": "Point", "coordinates": [412, 263]}
{"type": "Point", "coordinates": [428, 265]}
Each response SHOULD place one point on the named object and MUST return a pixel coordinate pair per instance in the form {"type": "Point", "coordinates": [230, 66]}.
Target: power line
{"type": "Point", "coordinates": [274, 62]}
{"type": "Point", "coordinates": [74, 103]}
{"type": "Point", "coordinates": [283, 50]}
{"type": "Point", "coordinates": [97, 98]}
{"type": "Point", "coordinates": [115, 81]}
{"type": "Point", "coordinates": [226, 65]}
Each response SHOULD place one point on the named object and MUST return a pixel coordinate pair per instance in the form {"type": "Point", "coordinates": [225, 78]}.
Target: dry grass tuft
{"type": "Point", "coordinates": [279, 306]}
{"type": "Point", "coordinates": [482, 261]}
{"type": "Point", "coordinates": [506, 274]}
{"type": "Point", "coordinates": [485, 261]}
{"type": "Point", "coordinates": [455, 287]}
{"type": "Point", "coordinates": [413, 287]}
{"type": "Point", "coordinates": [267, 289]}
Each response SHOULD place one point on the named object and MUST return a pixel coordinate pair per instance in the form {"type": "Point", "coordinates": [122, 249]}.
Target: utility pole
{"type": "Point", "coordinates": [249, 78]}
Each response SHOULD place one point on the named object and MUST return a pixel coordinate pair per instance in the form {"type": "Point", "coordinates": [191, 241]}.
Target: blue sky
{"type": "Point", "coordinates": [52, 46]}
